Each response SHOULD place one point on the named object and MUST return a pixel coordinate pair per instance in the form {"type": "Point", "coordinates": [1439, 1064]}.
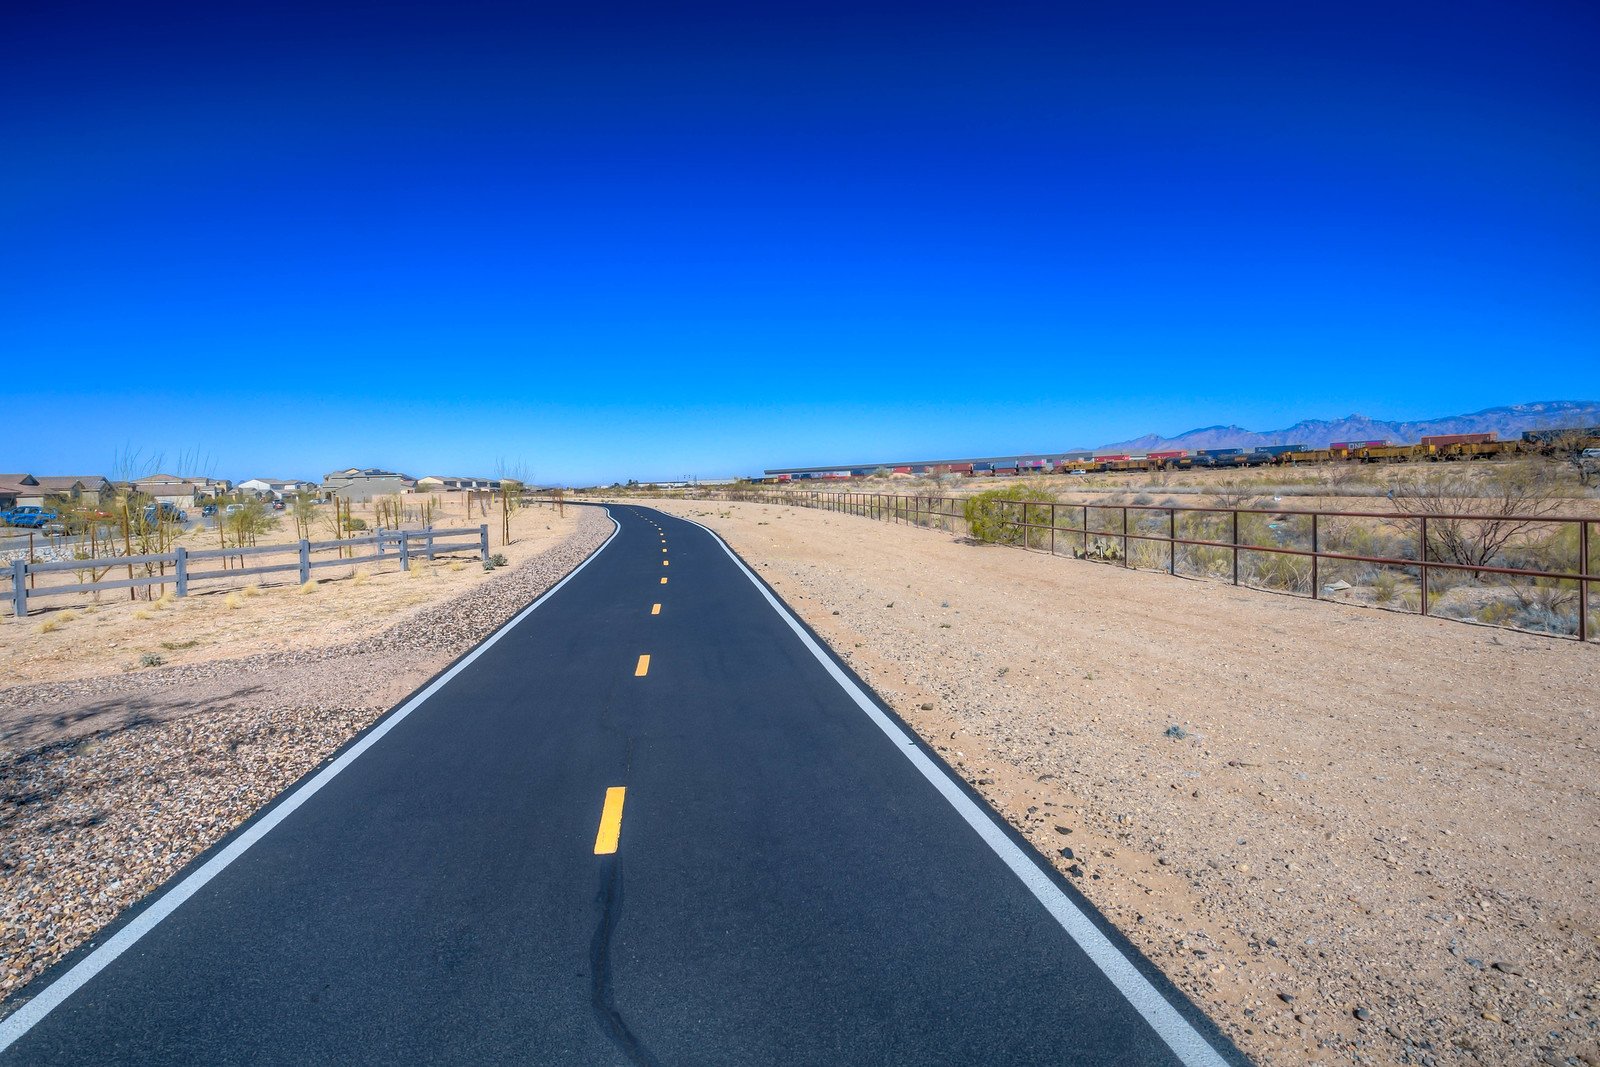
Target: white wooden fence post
{"type": "Point", "coordinates": [305, 561]}
{"type": "Point", "coordinates": [182, 562]}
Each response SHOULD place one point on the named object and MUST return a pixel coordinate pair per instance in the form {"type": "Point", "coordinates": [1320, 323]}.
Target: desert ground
{"type": "Point", "coordinates": [1351, 835]}
{"type": "Point", "coordinates": [114, 776]}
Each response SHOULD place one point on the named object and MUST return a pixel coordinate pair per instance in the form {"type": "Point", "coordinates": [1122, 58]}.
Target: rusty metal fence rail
{"type": "Point", "coordinates": [1211, 542]}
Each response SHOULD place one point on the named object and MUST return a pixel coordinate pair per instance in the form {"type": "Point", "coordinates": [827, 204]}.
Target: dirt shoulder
{"type": "Point", "coordinates": [111, 782]}
{"type": "Point", "coordinates": [1370, 838]}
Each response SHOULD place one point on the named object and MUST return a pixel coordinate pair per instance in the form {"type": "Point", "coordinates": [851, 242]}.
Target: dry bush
{"type": "Point", "coordinates": [1506, 501]}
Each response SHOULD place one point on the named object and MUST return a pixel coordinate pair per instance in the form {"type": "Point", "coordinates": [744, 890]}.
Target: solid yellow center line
{"type": "Point", "coordinates": [643, 668]}
{"type": "Point", "coordinates": [605, 842]}
{"type": "Point", "coordinates": [655, 609]}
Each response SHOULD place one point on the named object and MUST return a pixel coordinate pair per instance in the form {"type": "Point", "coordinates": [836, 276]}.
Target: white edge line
{"type": "Point", "coordinates": [26, 1017]}
{"type": "Point", "coordinates": [1168, 1023]}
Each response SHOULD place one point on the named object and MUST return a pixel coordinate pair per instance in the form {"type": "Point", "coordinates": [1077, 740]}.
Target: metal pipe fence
{"type": "Point", "coordinates": [1314, 548]}
{"type": "Point", "coordinates": [398, 545]}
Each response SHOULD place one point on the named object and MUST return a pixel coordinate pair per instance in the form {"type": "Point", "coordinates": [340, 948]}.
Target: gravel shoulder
{"type": "Point", "coordinates": [111, 783]}
{"type": "Point", "coordinates": [1371, 837]}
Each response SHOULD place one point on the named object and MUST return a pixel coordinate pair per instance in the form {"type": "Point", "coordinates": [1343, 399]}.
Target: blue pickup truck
{"type": "Point", "coordinates": [28, 517]}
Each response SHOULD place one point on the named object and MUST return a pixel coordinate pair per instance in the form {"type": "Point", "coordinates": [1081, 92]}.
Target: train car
{"type": "Point", "coordinates": [1357, 446]}
{"type": "Point", "coordinates": [1004, 468]}
{"type": "Point", "coordinates": [1032, 466]}
{"type": "Point", "coordinates": [1583, 436]}
{"type": "Point", "coordinates": [1393, 453]}
{"type": "Point", "coordinates": [1442, 440]}
{"type": "Point", "coordinates": [983, 468]}
{"type": "Point", "coordinates": [1311, 455]}
{"type": "Point", "coordinates": [959, 468]}
{"type": "Point", "coordinates": [1278, 450]}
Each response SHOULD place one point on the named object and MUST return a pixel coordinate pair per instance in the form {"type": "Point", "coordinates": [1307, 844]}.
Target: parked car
{"type": "Point", "coordinates": [277, 505]}
{"type": "Point", "coordinates": [231, 508]}
{"type": "Point", "coordinates": [30, 517]}
{"type": "Point", "coordinates": [164, 512]}
{"type": "Point", "coordinates": [1077, 470]}
{"type": "Point", "coordinates": [209, 509]}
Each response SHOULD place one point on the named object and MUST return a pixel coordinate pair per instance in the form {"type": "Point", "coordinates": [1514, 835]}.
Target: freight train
{"type": "Point", "coordinates": [1431, 448]}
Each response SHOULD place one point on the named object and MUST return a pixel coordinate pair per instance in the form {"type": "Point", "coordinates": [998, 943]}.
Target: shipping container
{"type": "Point", "coordinates": [1109, 457]}
{"type": "Point", "coordinates": [1545, 437]}
{"type": "Point", "coordinates": [1278, 450]}
{"type": "Point", "coordinates": [1440, 440]}
{"type": "Point", "coordinates": [1356, 446]}
{"type": "Point", "coordinates": [1177, 453]}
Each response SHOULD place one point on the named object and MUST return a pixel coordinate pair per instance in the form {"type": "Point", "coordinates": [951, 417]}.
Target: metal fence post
{"type": "Point", "coordinates": [1422, 560]}
{"type": "Point", "coordinates": [1052, 529]}
{"type": "Point", "coordinates": [181, 562]}
{"type": "Point", "coordinates": [305, 561]}
{"type": "Point", "coordinates": [1235, 546]}
{"type": "Point", "coordinates": [19, 588]}
{"type": "Point", "coordinates": [1125, 562]}
{"type": "Point", "coordinates": [1316, 559]}
{"type": "Point", "coordinates": [1583, 580]}
{"type": "Point", "coordinates": [483, 541]}
{"type": "Point", "coordinates": [1172, 540]}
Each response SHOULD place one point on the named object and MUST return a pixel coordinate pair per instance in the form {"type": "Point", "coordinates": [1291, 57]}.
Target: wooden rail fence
{"type": "Point", "coordinates": [386, 545]}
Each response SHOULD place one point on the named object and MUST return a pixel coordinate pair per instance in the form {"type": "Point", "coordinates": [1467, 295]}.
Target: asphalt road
{"type": "Point", "coordinates": [793, 880]}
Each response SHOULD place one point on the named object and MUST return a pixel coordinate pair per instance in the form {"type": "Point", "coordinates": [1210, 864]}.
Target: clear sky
{"type": "Point", "coordinates": [612, 241]}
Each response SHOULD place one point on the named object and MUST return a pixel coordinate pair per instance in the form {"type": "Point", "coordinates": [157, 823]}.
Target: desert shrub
{"type": "Point", "coordinates": [354, 523]}
{"type": "Point", "coordinates": [1144, 498]}
{"type": "Point", "coordinates": [1384, 585]}
{"type": "Point", "coordinates": [150, 659]}
{"type": "Point", "coordinates": [1274, 570]}
{"type": "Point", "coordinates": [990, 514]}
{"type": "Point", "coordinates": [1496, 612]}
{"type": "Point", "coordinates": [498, 559]}
{"type": "Point", "coordinates": [233, 601]}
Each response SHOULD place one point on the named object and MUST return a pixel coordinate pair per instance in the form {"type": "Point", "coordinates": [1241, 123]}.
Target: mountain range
{"type": "Point", "coordinates": [1504, 422]}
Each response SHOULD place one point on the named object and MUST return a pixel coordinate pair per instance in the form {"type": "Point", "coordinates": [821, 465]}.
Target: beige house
{"type": "Point", "coordinates": [435, 483]}
{"type": "Point", "coordinates": [361, 484]}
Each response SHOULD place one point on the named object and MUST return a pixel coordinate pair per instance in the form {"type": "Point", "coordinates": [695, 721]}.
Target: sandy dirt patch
{"type": "Point", "coordinates": [1350, 835]}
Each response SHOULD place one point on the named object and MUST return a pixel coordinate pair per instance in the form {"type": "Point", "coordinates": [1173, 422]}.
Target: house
{"type": "Point", "coordinates": [276, 488]}
{"type": "Point", "coordinates": [90, 489]}
{"type": "Point", "coordinates": [165, 490]}
{"type": "Point", "coordinates": [366, 483]}
{"type": "Point", "coordinates": [18, 489]}
{"type": "Point", "coordinates": [435, 483]}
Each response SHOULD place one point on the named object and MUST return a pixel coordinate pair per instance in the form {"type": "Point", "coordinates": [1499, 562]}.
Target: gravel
{"type": "Point", "coordinates": [91, 822]}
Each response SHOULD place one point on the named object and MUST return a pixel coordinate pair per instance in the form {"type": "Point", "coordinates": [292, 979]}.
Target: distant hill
{"type": "Point", "coordinates": [1503, 422]}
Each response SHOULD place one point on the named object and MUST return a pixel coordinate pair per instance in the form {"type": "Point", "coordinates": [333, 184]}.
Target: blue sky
{"type": "Point", "coordinates": [612, 241]}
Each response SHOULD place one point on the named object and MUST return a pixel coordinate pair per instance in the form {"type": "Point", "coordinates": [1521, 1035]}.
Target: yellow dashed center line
{"type": "Point", "coordinates": [664, 563]}
{"type": "Point", "coordinates": [643, 668]}
{"type": "Point", "coordinates": [655, 609]}
{"type": "Point", "coordinates": [663, 581]}
{"type": "Point", "coordinates": [605, 842]}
